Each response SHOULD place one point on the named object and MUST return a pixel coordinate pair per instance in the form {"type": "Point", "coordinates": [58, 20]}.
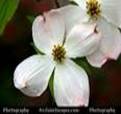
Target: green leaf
{"type": "Point", "coordinates": [7, 10]}
{"type": "Point", "coordinates": [119, 60]}
{"type": "Point", "coordinates": [72, 2]}
{"type": "Point", "coordinates": [92, 71]}
{"type": "Point", "coordinates": [36, 49]}
{"type": "Point", "coordinates": [51, 84]}
{"type": "Point", "coordinates": [31, 18]}
{"type": "Point", "coordinates": [84, 64]}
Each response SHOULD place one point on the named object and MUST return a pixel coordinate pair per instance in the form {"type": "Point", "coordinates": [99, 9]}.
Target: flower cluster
{"type": "Point", "coordinates": [89, 29]}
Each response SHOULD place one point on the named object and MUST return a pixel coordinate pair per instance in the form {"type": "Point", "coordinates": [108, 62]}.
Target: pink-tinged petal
{"type": "Point", "coordinates": [111, 39]}
{"type": "Point", "coordinates": [71, 85]}
{"type": "Point", "coordinates": [97, 59]}
{"type": "Point", "coordinates": [72, 15]}
{"type": "Point", "coordinates": [56, 24]}
{"type": "Point", "coordinates": [41, 35]}
{"type": "Point", "coordinates": [32, 75]}
{"type": "Point", "coordinates": [48, 30]}
{"type": "Point", "coordinates": [82, 40]}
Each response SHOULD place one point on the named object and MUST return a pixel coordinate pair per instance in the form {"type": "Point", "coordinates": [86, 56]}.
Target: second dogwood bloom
{"type": "Point", "coordinates": [71, 86]}
{"type": "Point", "coordinates": [107, 16]}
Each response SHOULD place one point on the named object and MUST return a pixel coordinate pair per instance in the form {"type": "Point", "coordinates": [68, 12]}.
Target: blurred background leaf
{"type": "Point", "coordinates": [7, 10]}
{"type": "Point", "coordinates": [31, 18]}
{"type": "Point", "coordinates": [119, 60]}
{"type": "Point", "coordinates": [51, 81]}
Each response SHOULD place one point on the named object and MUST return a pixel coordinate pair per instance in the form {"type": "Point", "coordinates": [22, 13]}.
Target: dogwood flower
{"type": "Point", "coordinates": [107, 15]}
{"type": "Point", "coordinates": [71, 85]}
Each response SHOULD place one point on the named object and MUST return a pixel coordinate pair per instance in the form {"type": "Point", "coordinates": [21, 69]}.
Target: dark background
{"type": "Point", "coordinates": [15, 46]}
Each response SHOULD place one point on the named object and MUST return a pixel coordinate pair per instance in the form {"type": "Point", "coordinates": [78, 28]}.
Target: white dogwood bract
{"type": "Point", "coordinates": [107, 16]}
{"type": "Point", "coordinates": [71, 85]}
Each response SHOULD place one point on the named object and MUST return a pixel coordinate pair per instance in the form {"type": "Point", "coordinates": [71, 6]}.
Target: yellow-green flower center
{"type": "Point", "coordinates": [58, 53]}
{"type": "Point", "coordinates": [93, 8]}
